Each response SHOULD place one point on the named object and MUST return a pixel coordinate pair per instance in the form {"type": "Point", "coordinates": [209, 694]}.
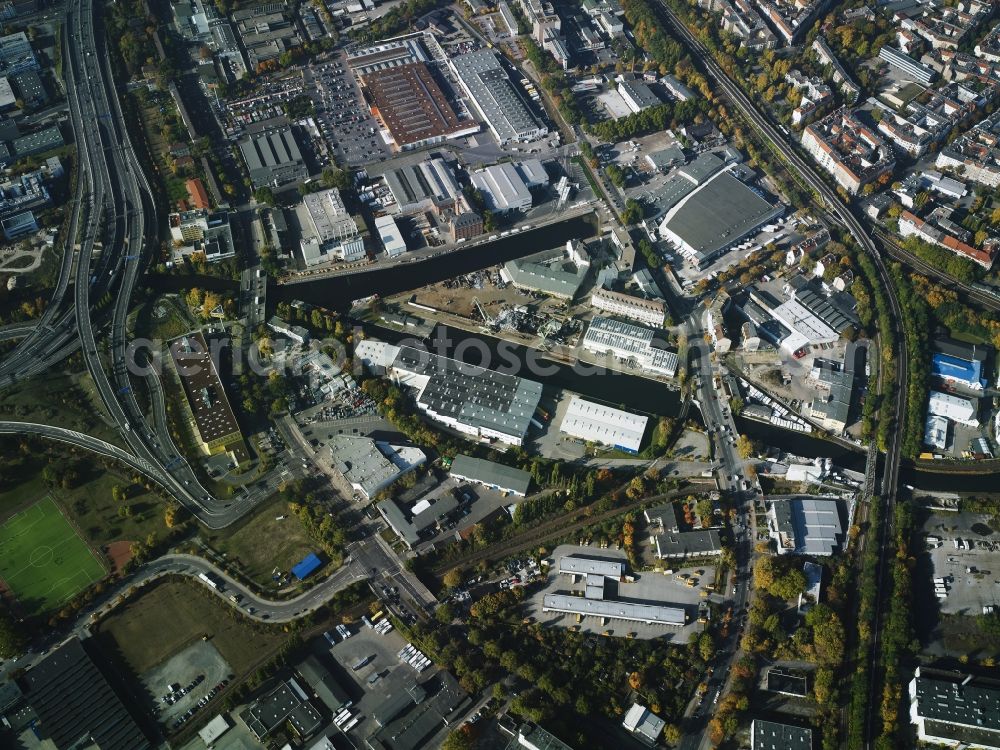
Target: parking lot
{"type": "Point", "coordinates": [393, 676]}
{"type": "Point", "coordinates": [351, 133]}
{"type": "Point", "coordinates": [648, 588]}
{"type": "Point", "coordinates": [964, 551]}
{"type": "Point", "coordinates": [193, 673]}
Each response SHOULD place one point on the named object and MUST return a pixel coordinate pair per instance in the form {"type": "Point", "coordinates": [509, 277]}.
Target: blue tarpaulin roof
{"type": "Point", "coordinates": [947, 366]}
{"type": "Point", "coordinates": [308, 565]}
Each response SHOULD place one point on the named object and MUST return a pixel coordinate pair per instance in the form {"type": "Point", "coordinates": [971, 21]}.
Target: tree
{"type": "Point", "coordinates": [463, 738]}
{"type": "Point", "coordinates": [632, 213]}
{"type": "Point", "coordinates": [11, 639]}
{"type": "Point", "coordinates": [264, 195]}
{"type": "Point", "coordinates": [744, 446]}
{"type": "Point", "coordinates": [453, 578]}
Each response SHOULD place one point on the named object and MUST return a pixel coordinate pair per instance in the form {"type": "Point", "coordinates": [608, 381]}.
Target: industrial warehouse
{"type": "Point", "coordinates": [473, 400]}
{"type": "Point", "coordinates": [602, 424]}
{"type": "Point", "coordinates": [600, 574]}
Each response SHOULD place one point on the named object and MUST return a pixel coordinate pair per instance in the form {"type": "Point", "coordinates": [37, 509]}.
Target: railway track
{"type": "Point", "coordinates": [557, 526]}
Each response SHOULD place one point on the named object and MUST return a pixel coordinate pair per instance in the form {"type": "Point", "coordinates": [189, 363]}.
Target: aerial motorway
{"type": "Point", "coordinates": [883, 536]}
{"type": "Point", "coordinates": [113, 206]}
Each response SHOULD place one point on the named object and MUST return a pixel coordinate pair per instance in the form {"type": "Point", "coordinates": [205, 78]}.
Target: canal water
{"type": "Point", "coordinates": [337, 292]}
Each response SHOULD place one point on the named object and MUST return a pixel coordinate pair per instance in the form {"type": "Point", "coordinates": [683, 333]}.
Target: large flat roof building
{"type": "Point", "coordinates": [273, 158]}
{"type": "Point", "coordinates": [630, 343]}
{"type": "Point", "coordinates": [805, 525]}
{"type": "Point", "coordinates": [213, 417]}
{"type": "Point", "coordinates": [494, 95]}
{"type": "Point", "coordinates": [957, 409]}
{"type": "Point", "coordinates": [637, 95]}
{"type": "Point", "coordinates": [502, 187]}
{"type": "Point", "coordinates": [955, 709]}
{"type": "Point", "coordinates": [596, 423]}
{"type": "Point", "coordinates": [715, 216]}
{"type": "Point", "coordinates": [608, 609]}
{"type": "Point", "coordinates": [479, 402]}
{"type": "Point", "coordinates": [288, 704]}
{"type": "Point", "coordinates": [75, 704]}
{"type": "Point", "coordinates": [413, 107]}
{"type": "Point", "coordinates": [684, 544]}
{"type": "Point", "coordinates": [575, 565]}
{"type": "Point", "coordinates": [370, 466]}
{"type": "Point", "coordinates": [490, 474]}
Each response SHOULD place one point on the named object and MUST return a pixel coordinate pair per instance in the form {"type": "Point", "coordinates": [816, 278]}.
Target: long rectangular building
{"type": "Point", "coordinates": [602, 424]}
{"type": "Point", "coordinates": [651, 614]}
{"type": "Point", "coordinates": [630, 343]}
{"type": "Point", "coordinates": [955, 709]}
{"type": "Point", "coordinates": [588, 566]}
{"type": "Point", "coordinates": [213, 417]}
{"type": "Point", "coordinates": [489, 87]}
{"type": "Point", "coordinates": [651, 312]}
{"type": "Point", "coordinates": [479, 402]}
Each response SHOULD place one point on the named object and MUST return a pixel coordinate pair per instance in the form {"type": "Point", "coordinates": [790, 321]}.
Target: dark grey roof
{"type": "Point", "coordinates": [666, 515]}
{"type": "Point", "coordinates": [323, 684]}
{"type": "Point", "coordinates": [490, 473]}
{"type": "Point", "coordinates": [951, 698]}
{"type": "Point", "coordinates": [770, 735]}
{"type": "Point", "coordinates": [74, 701]}
{"type": "Point", "coordinates": [969, 352]}
{"type": "Point", "coordinates": [667, 157]}
{"type": "Point", "coordinates": [838, 316]}
{"type": "Point", "coordinates": [481, 398]}
{"type": "Point", "coordinates": [722, 212]}
{"type": "Point", "coordinates": [688, 543]}
{"type": "Point", "coordinates": [811, 524]}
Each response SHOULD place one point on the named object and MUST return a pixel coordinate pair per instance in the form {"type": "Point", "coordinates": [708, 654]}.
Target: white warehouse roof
{"type": "Point", "coordinates": [582, 566]}
{"type": "Point", "coordinates": [503, 187]}
{"type": "Point", "coordinates": [952, 407]}
{"type": "Point", "coordinates": [603, 424]}
{"type": "Point", "coordinates": [614, 610]}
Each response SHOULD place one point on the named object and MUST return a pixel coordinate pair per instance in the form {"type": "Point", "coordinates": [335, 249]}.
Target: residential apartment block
{"type": "Point", "coordinates": [849, 150]}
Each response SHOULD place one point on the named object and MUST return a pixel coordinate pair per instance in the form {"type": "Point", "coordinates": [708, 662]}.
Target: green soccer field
{"type": "Point", "coordinates": [42, 560]}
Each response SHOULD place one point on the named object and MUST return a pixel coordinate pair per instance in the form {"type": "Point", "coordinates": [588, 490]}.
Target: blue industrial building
{"type": "Point", "coordinates": [958, 370]}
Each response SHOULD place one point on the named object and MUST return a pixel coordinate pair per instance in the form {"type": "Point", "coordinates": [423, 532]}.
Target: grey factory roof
{"type": "Point", "coordinates": [650, 613]}
{"type": "Point", "coordinates": [550, 277]}
{"type": "Point", "coordinates": [701, 168]}
{"type": "Point", "coordinates": [688, 543]}
{"type": "Point", "coordinates": [72, 699]}
{"type": "Point", "coordinates": [491, 474]}
{"type": "Point", "coordinates": [273, 156]}
{"type": "Point", "coordinates": [665, 515]}
{"type": "Point", "coordinates": [287, 702]}
{"type": "Point", "coordinates": [494, 93]}
{"type": "Point", "coordinates": [681, 183]}
{"type": "Point", "coordinates": [473, 395]}
{"type": "Point", "coordinates": [831, 310]}
{"type": "Point", "coordinates": [430, 181]}
{"type": "Point", "coordinates": [595, 586]}
{"type": "Point", "coordinates": [836, 404]}
{"type": "Point", "coordinates": [411, 730]}
{"type": "Point", "coordinates": [721, 212]}
{"type": "Point", "coordinates": [409, 526]}
{"type": "Point", "coordinates": [950, 698]}
{"type": "Point", "coordinates": [37, 142]}
{"type": "Point", "coordinates": [323, 683]}
{"type": "Point", "coordinates": [769, 735]}
{"type": "Point", "coordinates": [573, 565]}
{"type": "Point", "coordinates": [639, 93]}
{"type": "Point", "coordinates": [810, 525]}
{"type": "Point", "coordinates": [666, 157]}
{"type": "Point", "coordinates": [538, 738]}
{"type": "Point", "coordinates": [370, 465]}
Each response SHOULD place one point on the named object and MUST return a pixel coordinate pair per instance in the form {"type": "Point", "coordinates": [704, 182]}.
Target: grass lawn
{"type": "Point", "coordinates": [43, 560]}
{"type": "Point", "coordinates": [60, 399]}
{"type": "Point", "coordinates": [169, 616]}
{"type": "Point", "coordinates": [261, 543]}
{"type": "Point", "coordinates": [90, 505]}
